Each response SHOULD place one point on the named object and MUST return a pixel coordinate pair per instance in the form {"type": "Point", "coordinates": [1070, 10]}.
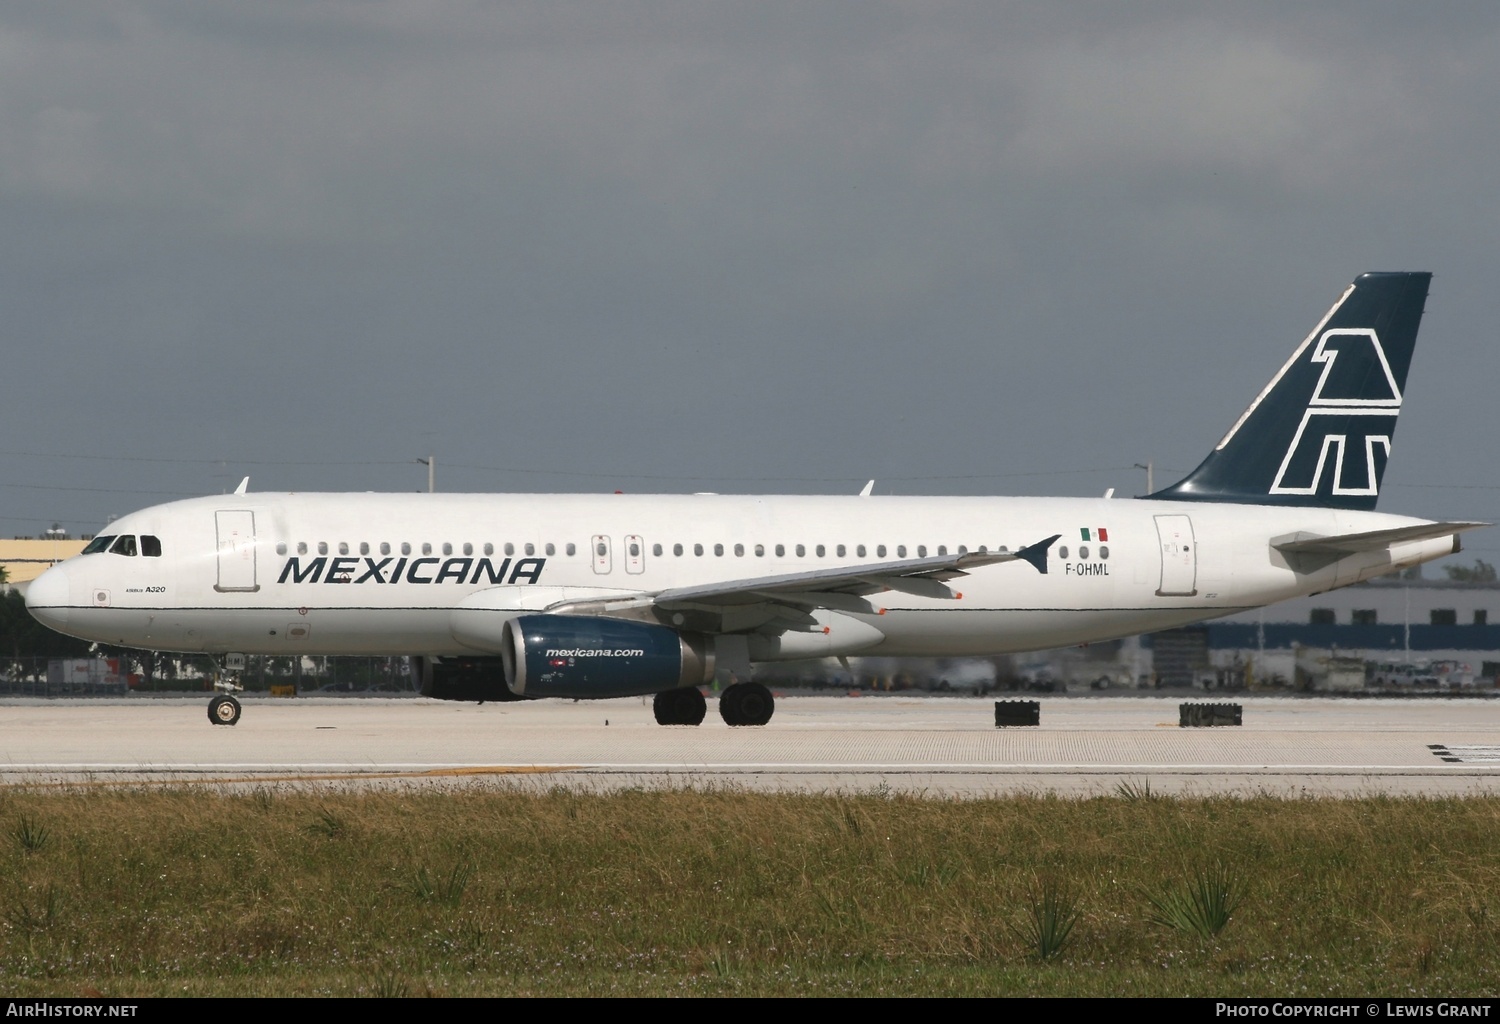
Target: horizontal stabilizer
{"type": "Point", "coordinates": [1373, 540]}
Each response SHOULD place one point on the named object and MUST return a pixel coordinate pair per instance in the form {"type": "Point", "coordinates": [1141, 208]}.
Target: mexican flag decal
{"type": "Point", "coordinates": [1101, 534]}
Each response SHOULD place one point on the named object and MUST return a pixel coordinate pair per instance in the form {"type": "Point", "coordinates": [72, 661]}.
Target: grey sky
{"type": "Point", "coordinates": [960, 248]}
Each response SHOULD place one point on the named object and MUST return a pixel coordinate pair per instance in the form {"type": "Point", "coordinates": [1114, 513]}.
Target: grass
{"type": "Point", "coordinates": [449, 891]}
{"type": "Point", "coordinates": [1202, 905]}
{"type": "Point", "coordinates": [29, 835]}
{"type": "Point", "coordinates": [1051, 914]}
{"type": "Point", "coordinates": [514, 892]}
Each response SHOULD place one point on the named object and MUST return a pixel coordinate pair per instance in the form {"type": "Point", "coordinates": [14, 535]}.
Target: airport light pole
{"type": "Point", "coordinates": [431, 463]}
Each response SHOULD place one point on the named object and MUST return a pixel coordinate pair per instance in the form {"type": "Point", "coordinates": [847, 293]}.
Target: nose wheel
{"type": "Point", "coordinates": [223, 710]}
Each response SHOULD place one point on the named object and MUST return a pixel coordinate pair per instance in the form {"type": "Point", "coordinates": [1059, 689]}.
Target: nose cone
{"type": "Point", "coordinates": [48, 597]}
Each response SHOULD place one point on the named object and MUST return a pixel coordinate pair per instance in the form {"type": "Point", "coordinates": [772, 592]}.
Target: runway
{"type": "Point", "coordinates": [944, 747]}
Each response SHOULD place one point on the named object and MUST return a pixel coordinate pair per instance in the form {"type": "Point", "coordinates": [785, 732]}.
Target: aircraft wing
{"type": "Point", "coordinates": [788, 601]}
{"type": "Point", "coordinates": [1373, 540]}
{"type": "Point", "coordinates": [844, 587]}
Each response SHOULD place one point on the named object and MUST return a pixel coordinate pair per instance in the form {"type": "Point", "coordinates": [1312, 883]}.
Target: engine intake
{"type": "Point", "coordinates": [581, 657]}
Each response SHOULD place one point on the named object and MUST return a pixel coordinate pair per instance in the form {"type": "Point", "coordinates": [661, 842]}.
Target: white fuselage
{"type": "Point", "coordinates": [435, 574]}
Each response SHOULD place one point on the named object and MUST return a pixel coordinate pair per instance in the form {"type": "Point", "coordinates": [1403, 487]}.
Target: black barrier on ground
{"type": "Point", "coordinates": [1017, 712]}
{"type": "Point", "coordinates": [1195, 715]}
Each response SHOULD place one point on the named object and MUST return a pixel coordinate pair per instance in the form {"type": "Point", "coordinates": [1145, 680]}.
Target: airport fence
{"type": "Point", "coordinates": [120, 675]}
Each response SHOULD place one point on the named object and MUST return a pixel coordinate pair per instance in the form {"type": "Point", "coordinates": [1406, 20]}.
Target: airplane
{"type": "Point", "coordinates": [524, 596]}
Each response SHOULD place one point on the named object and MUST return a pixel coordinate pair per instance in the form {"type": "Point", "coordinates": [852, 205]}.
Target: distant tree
{"type": "Point", "coordinates": [21, 636]}
{"type": "Point", "coordinates": [131, 660]}
{"type": "Point", "coordinates": [1480, 572]}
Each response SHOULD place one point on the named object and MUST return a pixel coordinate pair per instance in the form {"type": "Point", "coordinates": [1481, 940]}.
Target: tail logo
{"type": "Point", "coordinates": [1349, 419]}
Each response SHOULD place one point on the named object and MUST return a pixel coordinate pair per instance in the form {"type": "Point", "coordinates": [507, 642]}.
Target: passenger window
{"type": "Point", "coordinates": [551, 548]}
{"type": "Point", "coordinates": [468, 548]}
{"type": "Point", "coordinates": [322, 547]}
{"type": "Point", "coordinates": [151, 546]}
{"type": "Point", "coordinates": [1062, 552]}
{"type": "Point", "coordinates": [1083, 551]}
{"type": "Point", "coordinates": [781, 551]}
{"type": "Point", "coordinates": [302, 547]}
{"type": "Point", "coordinates": [900, 550]}
{"type": "Point", "coordinates": [530, 548]}
{"type": "Point", "coordinates": [343, 547]}
{"type": "Point", "coordinates": [820, 550]}
{"type": "Point", "coordinates": [1103, 551]}
{"type": "Point", "coordinates": [760, 551]}
{"type": "Point", "coordinates": [801, 551]}
{"type": "Point", "coordinates": [426, 548]}
{"type": "Point", "coordinates": [364, 547]}
{"type": "Point", "coordinates": [921, 550]}
{"type": "Point", "coordinates": [98, 544]}
{"type": "Point", "coordinates": [963, 550]}
{"type": "Point", "coordinates": [489, 549]}
{"type": "Point", "coordinates": [879, 550]}
{"type": "Point", "coordinates": [510, 548]}
{"type": "Point", "coordinates": [839, 551]}
{"type": "Point", "coordinates": [572, 548]}
{"type": "Point", "coordinates": [719, 549]}
{"type": "Point", "coordinates": [698, 549]}
{"type": "Point", "coordinates": [601, 549]}
{"type": "Point", "coordinates": [656, 550]}
{"type": "Point", "coordinates": [385, 547]}
{"type": "Point", "coordinates": [406, 547]}
{"type": "Point", "coordinates": [860, 551]}
{"type": "Point", "coordinates": [739, 551]}
{"type": "Point", "coordinates": [635, 550]}
{"type": "Point", "coordinates": [280, 547]}
{"type": "Point", "coordinates": [125, 545]}
{"type": "Point", "coordinates": [677, 550]}
{"type": "Point", "coordinates": [942, 549]}
{"type": "Point", "coordinates": [448, 548]}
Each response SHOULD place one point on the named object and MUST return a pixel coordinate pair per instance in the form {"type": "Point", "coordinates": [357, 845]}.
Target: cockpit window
{"type": "Point", "coordinates": [150, 546]}
{"type": "Point", "coordinates": [125, 545]}
{"type": "Point", "coordinates": [97, 545]}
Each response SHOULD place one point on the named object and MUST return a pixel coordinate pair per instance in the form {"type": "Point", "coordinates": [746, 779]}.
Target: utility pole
{"type": "Point", "coordinates": [431, 463]}
{"type": "Point", "coordinates": [1150, 475]}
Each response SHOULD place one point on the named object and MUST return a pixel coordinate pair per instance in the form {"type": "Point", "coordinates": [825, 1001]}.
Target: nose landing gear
{"type": "Point", "coordinates": [223, 709]}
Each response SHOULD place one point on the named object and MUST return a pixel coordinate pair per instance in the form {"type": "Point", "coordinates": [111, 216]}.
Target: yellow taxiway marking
{"type": "Point", "coordinates": [273, 776]}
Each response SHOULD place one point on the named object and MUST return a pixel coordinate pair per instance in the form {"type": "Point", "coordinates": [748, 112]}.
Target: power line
{"type": "Point", "coordinates": [200, 462]}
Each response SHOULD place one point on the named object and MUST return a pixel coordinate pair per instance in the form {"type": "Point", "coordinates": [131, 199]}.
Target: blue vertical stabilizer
{"type": "Point", "coordinates": [1320, 432]}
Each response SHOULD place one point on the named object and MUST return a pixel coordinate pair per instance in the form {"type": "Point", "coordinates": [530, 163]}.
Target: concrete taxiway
{"type": "Point", "coordinates": [937, 746]}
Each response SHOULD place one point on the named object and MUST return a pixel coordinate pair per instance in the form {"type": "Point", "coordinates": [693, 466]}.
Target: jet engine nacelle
{"type": "Point", "coordinates": [581, 657]}
{"type": "Point", "coordinates": [477, 679]}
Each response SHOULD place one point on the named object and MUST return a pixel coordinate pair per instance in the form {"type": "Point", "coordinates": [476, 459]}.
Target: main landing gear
{"type": "Point", "coordinates": [746, 704]}
{"type": "Point", "coordinates": [680, 707]}
{"type": "Point", "coordinates": [740, 704]}
{"type": "Point", "coordinates": [223, 709]}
